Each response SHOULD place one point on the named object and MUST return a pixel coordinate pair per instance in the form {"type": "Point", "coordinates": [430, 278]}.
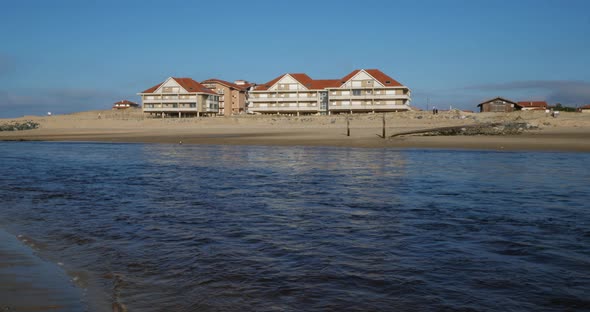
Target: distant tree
{"type": "Point", "coordinates": [560, 107]}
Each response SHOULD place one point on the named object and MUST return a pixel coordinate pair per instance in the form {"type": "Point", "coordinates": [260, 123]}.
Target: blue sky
{"type": "Point", "coordinates": [66, 56]}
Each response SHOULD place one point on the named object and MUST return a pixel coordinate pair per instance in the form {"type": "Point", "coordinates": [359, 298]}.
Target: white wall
{"type": "Point", "coordinates": [173, 84]}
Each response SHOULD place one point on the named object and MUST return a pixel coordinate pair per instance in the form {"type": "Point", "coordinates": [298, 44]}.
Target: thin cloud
{"type": "Point", "coordinates": [40, 101]}
{"type": "Point", "coordinates": [572, 92]}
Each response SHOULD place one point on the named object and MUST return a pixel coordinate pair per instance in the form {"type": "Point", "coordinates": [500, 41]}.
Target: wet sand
{"type": "Point", "coordinates": [28, 283]}
{"type": "Point", "coordinates": [569, 132]}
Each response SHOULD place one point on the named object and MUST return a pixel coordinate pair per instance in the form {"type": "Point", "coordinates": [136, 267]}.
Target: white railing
{"type": "Point", "coordinates": [284, 109]}
{"type": "Point", "coordinates": [171, 109]}
{"type": "Point", "coordinates": [376, 107]}
{"type": "Point", "coordinates": [370, 97]}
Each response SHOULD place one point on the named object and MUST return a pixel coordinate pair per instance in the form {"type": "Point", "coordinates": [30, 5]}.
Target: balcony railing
{"type": "Point", "coordinates": [370, 97]}
{"type": "Point", "coordinates": [170, 109]}
{"type": "Point", "coordinates": [293, 99]}
{"type": "Point", "coordinates": [275, 108]}
{"type": "Point", "coordinates": [375, 107]}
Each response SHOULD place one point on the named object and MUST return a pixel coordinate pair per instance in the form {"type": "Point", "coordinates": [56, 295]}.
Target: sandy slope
{"type": "Point", "coordinates": [568, 132]}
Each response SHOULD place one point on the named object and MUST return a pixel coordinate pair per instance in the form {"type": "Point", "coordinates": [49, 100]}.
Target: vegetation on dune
{"type": "Point", "coordinates": [16, 126]}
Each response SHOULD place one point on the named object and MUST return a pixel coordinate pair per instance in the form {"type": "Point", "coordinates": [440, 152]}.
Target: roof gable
{"type": "Point", "coordinates": [384, 79]}
{"type": "Point", "coordinates": [302, 79]}
{"type": "Point", "coordinates": [381, 79]}
{"type": "Point", "coordinates": [369, 74]}
{"type": "Point", "coordinates": [495, 99]}
{"type": "Point", "coordinates": [266, 86]}
{"type": "Point", "coordinates": [186, 85]}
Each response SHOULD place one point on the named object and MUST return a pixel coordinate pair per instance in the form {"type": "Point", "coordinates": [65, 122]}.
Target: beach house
{"type": "Point", "coordinates": [361, 91]}
{"type": "Point", "coordinates": [180, 97]}
{"type": "Point", "coordinates": [124, 104]}
{"type": "Point", "coordinates": [532, 105]}
{"type": "Point", "coordinates": [232, 96]}
{"type": "Point", "coordinates": [497, 104]}
{"type": "Point", "coordinates": [584, 109]}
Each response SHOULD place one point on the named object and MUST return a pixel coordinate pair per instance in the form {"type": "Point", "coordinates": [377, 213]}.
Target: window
{"type": "Point", "coordinates": [356, 92]}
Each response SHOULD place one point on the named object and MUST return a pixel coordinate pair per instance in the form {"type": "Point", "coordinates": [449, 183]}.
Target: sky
{"type": "Point", "coordinates": [67, 56]}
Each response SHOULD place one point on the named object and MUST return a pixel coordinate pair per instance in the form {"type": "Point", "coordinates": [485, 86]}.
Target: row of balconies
{"type": "Point", "coordinates": [168, 97]}
{"type": "Point", "coordinates": [283, 99]}
{"type": "Point", "coordinates": [349, 107]}
{"type": "Point", "coordinates": [371, 97]}
{"type": "Point", "coordinates": [333, 97]}
{"type": "Point", "coordinates": [180, 107]}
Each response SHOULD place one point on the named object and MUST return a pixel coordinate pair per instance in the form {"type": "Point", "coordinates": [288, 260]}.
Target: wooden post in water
{"type": "Point", "coordinates": [383, 126]}
{"type": "Point", "coordinates": [347, 126]}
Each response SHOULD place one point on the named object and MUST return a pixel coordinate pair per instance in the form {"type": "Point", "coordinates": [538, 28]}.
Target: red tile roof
{"type": "Point", "coordinates": [585, 107]}
{"type": "Point", "coordinates": [539, 104]}
{"type": "Point", "coordinates": [188, 84]}
{"type": "Point", "coordinates": [152, 89]}
{"type": "Point", "coordinates": [228, 84]}
{"type": "Point", "coordinates": [304, 79]}
{"type": "Point", "coordinates": [332, 83]}
{"type": "Point", "coordinates": [383, 78]}
{"type": "Point", "coordinates": [126, 102]}
{"type": "Point", "coordinates": [325, 83]}
{"type": "Point", "coordinates": [269, 84]}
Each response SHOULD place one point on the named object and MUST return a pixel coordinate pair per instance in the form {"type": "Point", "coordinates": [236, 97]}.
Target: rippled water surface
{"type": "Point", "coordinates": [160, 227]}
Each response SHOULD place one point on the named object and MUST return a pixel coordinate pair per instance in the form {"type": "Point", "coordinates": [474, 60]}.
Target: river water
{"type": "Point", "coordinates": [158, 227]}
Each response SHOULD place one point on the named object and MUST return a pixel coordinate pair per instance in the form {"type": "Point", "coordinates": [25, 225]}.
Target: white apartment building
{"type": "Point", "coordinates": [179, 97]}
{"type": "Point", "coordinates": [363, 90]}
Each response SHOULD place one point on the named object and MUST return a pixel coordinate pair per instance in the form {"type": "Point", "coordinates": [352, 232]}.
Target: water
{"type": "Point", "coordinates": [160, 227]}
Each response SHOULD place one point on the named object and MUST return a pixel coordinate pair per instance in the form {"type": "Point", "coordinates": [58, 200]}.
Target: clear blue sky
{"type": "Point", "coordinates": [65, 56]}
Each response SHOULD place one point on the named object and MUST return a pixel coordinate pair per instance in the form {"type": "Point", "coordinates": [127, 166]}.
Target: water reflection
{"type": "Point", "coordinates": [225, 228]}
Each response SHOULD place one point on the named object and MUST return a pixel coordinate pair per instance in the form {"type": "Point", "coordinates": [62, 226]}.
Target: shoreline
{"type": "Point", "coordinates": [568, 133]}
{"type": "Point", "coordinates": [30, 283]}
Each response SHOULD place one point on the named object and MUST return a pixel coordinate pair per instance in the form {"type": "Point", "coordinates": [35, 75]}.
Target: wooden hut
{"type": "Point", "coordinates": [498, 104]}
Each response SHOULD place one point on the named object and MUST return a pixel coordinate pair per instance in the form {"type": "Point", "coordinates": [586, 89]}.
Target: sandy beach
{"type": "Point", "coordinates": [568, 132]}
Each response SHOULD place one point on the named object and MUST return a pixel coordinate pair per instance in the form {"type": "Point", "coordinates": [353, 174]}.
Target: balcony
{"type": "Point", "coordinates": [370, 97]}
{"type": "Point", "coordinates": [278, 108]}
{"type": "Point", "coordinates": [284, 99]}
{"type": "Point", "coordinates": [170, 99]}
{"type": "Point", "coordinates": [375, 107]}
{"type": "Point", "coordinates": [170, 109]}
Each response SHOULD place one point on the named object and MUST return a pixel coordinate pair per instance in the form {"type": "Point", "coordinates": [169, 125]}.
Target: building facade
{"type": "Point", "coordinates": [232, 96]}
{"type": "Point", "coordinates": [179, 97]}
{"type": "Point", "coordinates": [363, 90]}
{"type": "Point", "coordinates": [498, 105]}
